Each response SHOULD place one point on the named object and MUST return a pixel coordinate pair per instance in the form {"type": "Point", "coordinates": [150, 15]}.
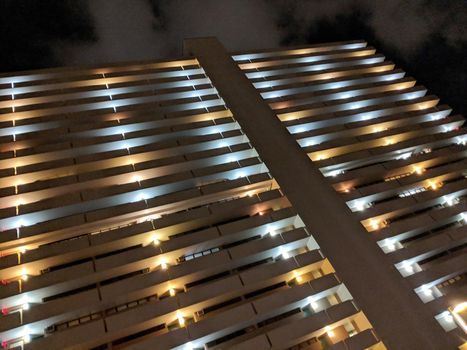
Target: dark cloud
{"type": "Point", "coordinates": [424, 37]}
{"type": "Point", "coordinates": [149, 29]}
{"type": "Point", "coordinates": [126, 32]}
{"type": "Point", "coordinates": [30, 31]}
{"type": "Point", "coordinates": [404, 25]}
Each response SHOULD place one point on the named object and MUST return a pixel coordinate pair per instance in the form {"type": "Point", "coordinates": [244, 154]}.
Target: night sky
{"type": "Point", "coordinates": [426, 38]}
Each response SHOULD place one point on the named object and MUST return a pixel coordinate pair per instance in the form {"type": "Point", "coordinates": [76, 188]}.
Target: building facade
{"type": "Point", "coordinates": [307, 198]}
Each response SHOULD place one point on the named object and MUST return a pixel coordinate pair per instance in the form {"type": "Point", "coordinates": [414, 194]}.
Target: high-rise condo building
{"type": "Point", "coordinates": [295, 198]}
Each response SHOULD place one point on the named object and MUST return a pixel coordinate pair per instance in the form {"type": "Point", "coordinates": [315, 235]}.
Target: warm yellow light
{"type": "Point", "coordinates": [435, 185]}
{"type": "Point", "coordinates": [24, 277]}
{"type": "Point", "coordinates": [298, 278]}
{"type": "Point", "coordinates": [460, 307]}
{"type": "Point", "coordinates": [418, 170]}
{"type": "Point", "coordinates": [136, 178]}
{"type": "Point", "coordinates": [374, 224]}
{"type": "Point", "coordinates": [22, 250]}
{"type": "Point", "coordinates": [389, 142]}
{"type": "Point", "coordinates": [172, 292]}
{"type": "Point", "coordinates": [329, 331]}
{"type": "Point", "coordinates": [181, 319]}
{"type": "Point", "coordinates": [292, 117]}
{"type": "Point", "coordinates": [164, 265]}
{"type": "Point", "coordinates": [320, 157]}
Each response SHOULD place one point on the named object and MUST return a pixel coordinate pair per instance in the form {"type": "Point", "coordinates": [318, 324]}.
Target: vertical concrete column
{"type": "Point", "coordinates": [398, 316]}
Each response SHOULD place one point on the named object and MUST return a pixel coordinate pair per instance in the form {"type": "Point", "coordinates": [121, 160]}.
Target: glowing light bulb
{"type": "Point", "coordinates": [320, 157]}
{"type": "Point", "coordinates": [25, 306]}
{"type": "Point", "coordinates": [141, 197]}
{"type": "Point", "coordinates": [156, 242]}
{"type": "Point", "coordinates": [284, 253]}
{"type": "Point", "coordinates": [374, 224]}
{"type": "Point", "coordinates": [164, 265]}
{"type": "Point", "coordinates": [404, 156]}
{"type": "Point", "coordinates": [20, 223]}
{"type": "Point", "coordinates": [329, 331]}
{"type": "Point", "coordinates": [273, 233]}
{"type": "Point", "coordinates": [172, 292]}
{"type": "Point", "coordinates": [136, 178]}
{"type": "Point", "coordinates": [450, 201]}
{"type": "Point", "coordinates": [408, 267]}
{"type": "Point", "coordinates": [460, 307]}
{"type": "Point", "coordinates": [334, 173]}
{"type": "Point", "coordinates": [24, 277]}
{"type": "Point", "coordinates": [314, 305]}
{"type": "Point", "coordinates": [427, 291]}
{"type": "Point", "coordinates": [181, 319]}
{"type": "Point", "coordinates": [418, 170]}
{"type": "Point", "coordinates": [359, 206]}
